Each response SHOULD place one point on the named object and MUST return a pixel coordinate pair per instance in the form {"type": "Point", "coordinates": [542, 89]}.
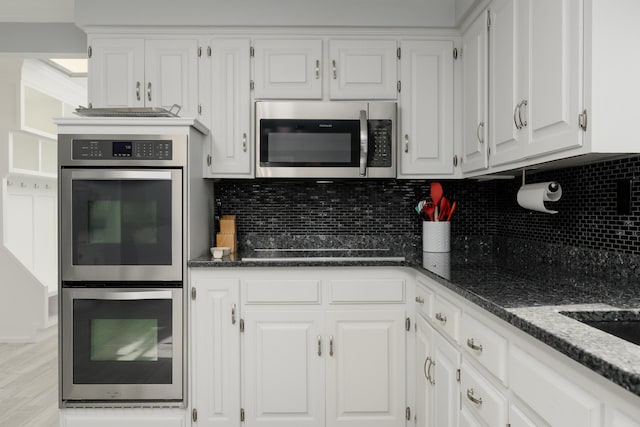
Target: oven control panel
{"type": "Point", "coordinates": [101, 149]}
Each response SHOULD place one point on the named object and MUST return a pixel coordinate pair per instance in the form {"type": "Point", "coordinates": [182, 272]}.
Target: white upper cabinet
{"type": "Point", "coordinates": [299, 69]}
{"type": "Point", "coordinates": [227, 109]}
{"type": "Point", "coordinates": [127, 72]}
{"type": "Point", "coordinates": [508, 80]}
{"type": "Point", "coordinates": [475, 98]}
{"type": "Point", "coordinates": [556, 72]}
{"type": "Point", "coordinates": [363, 69]}
{"type": "Point", "coordinates": [116, 73]}
{"type": "Point", "coordinates": [288, 69]}
{"type": "Point", "coordinates": [426, 109]}
{"type": "Point", "coordinates": [535, 79]}
{"type": "Point", "coordinates": [171, 75]}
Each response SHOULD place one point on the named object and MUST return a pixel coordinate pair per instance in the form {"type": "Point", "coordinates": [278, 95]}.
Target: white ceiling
{"type": "Point", "coordinates": [36, 10]}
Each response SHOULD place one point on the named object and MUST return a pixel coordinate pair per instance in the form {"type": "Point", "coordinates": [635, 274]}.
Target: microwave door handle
{"type": "Point", "coordinates": [364, 142]}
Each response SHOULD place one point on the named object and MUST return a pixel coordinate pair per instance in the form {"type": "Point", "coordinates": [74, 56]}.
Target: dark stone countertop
{"type": "Point", "coordinates": [531, 299]}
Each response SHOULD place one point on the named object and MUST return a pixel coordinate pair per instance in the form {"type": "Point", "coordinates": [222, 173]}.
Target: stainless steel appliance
{"type": "Point", "coordinates": [121, 201]}
{"type": "Point", "coordinates": [326, 139]}
{"type": "Point", "coordinates": [123, 246]}
{"type": "Point", "coordinates": [125, 344]}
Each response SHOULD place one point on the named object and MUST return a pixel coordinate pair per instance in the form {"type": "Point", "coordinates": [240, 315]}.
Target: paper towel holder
{"type": "Point", "coordinates": [533, 196]}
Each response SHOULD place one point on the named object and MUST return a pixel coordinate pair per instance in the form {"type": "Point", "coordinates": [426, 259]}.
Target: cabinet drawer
{"type": "Point", "coordinates": [424, 300]}
{"type": "Point", "coordinates": [446, 317]}
{"type": "Point", "coordinates": [282, 291]}
{"type": "Point", "coordinates": [482, 399]}
{"type": "Point", "coordinates": [485, 346]}
{"type": "Point", "coordinates": [367, 290]}
{"type": "Point", "coordinates": [550, 394]}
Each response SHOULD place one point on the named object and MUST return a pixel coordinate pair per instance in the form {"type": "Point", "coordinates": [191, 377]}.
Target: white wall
{"type": "Point", "coordinates": [394, 13]}
{"type": "Point", "coordinates": [42, 39]}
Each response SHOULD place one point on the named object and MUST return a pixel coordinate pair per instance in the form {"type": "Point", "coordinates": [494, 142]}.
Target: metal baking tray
{"type": "Point", "coordinates": [129, 112]}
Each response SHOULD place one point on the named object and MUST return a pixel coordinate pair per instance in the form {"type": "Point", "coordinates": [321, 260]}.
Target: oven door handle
{"type": "Point", "coordinates": [128, 295]}
{"type": "Point", "coordinates": [121, 174]}
{"type": "Point", "coordinates": [364, 142]}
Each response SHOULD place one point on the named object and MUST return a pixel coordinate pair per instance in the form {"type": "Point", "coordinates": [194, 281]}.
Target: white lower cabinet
{"type": "Point", "coordinates": [437, 387]}
{"type": "Point", "coordinates": [365, 368]}
{"type": "Point", "coordinates": [323, 347]}
{"type": "Point", "coordinates": [328, 347]}
{"type": "Point", "coordinates": [283, 381]}
{"type": "Point", "coordinates": [555, 397]}
{"type": "Point", "coordinates": [215, 350]}
{"type": "Point", "coordinates": [482, 399]}
{"type": "Point", "coordinates": [316, 368]}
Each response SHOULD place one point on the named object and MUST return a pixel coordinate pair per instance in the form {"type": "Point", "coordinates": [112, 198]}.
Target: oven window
{"type": "Point", "coordinates": [122, 341]}
{"type": "Point", "coordinates": [309, 143]}
{"type": "Point", "coordinates": [122, 222]}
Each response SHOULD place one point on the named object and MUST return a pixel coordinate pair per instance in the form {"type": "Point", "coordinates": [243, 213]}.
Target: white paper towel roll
{"type": "Point", "coordinates": [533, 196]}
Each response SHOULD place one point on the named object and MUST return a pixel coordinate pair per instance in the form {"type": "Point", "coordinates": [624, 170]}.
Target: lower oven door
{"type": "Point", "coordinates": [121, 345]}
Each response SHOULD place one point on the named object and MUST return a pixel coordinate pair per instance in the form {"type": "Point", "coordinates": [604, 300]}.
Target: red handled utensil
{"type": "Point", "coordinates": [451, 210]}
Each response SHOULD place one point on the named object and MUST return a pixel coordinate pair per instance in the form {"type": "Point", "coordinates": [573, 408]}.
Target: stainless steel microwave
{"type": "Point", "coordinates": [313, 139]}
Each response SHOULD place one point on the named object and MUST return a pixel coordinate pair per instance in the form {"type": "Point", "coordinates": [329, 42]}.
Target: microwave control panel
{"type": "Point", "coordinates": [100, 149]}
{"type": "Point", "coordinates": [380, 143]}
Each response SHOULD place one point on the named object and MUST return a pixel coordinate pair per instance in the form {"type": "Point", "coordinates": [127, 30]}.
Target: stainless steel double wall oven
{"type": "Point", "coordinates": [122, 269]}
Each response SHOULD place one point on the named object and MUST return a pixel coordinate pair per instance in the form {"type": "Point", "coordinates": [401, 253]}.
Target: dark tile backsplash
{"type": "Point", "coordinates": [587, 229]}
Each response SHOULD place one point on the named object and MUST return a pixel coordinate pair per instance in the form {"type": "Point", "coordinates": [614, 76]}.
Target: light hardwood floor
{"type": "Point", "coordinates": [29, 384]}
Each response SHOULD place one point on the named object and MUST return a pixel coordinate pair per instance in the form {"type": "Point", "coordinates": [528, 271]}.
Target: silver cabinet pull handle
{"type": "Point", "coordinates": [335, 70]}
{"type": "Point", "coordinates": [317, 69]}
{"type": "Point", "coordinates": [473, 346]}
{"type": "Point", "coordinates": [478, 134]}
{"type": "Point", "coordinates": [515, 118]}
{"type": "Point", "coordinates": [244, 142]}
{"type": "Point", "coordinates": [406, 143]}
{"type": "Point", "coordinates": [523, 123]}
{"type": "Point", "coordinates": [149, 91]}
{"type": "Point", "coordinates": [330, 345]}
{"type": "Point", "coordinates": [137, 91]}
{"type": "Point", "coordinates": [233, 314]}
{"type": "Point", "coordinates": [420, 300]}
{"type": "Point", "coordinates": [427, 369]}
{"type": "Point", "coordinates": [471, 397]}
{"type": "Point", "coordinates": [441, 317]}
{"type": "Point", "coordinates": [319, 346]}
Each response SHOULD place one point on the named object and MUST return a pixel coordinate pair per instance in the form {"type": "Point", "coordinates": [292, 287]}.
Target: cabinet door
{"type": "Point", "coordinates": [215, 350]}
{"type": "Point", "coordinates": [426, 104]}
{"type": "Point", "coordinates": [556, 76]}
{"type": "Point", "coordinates": [229, 109]}
{"type": "Point", "coordinates": [508, 80]}
{"type": "Point", "coordinates": [171, 75]}
{"type": "Point", "coordinates": [474, 93]}
{"type": "Point", "coordinates": [446, 402]}
{"type": "Point", "coordinates": [366, 368]}
{"type": "Point", "coordinates": [288, 69]}
{"type": "Point", "coordinates": [363, 69]}
{"type": "Point", "coordinates": [116, 73]}
{"type": "Point", "coordinates": [284, 362]}
{"type": "Point", "coordinates": [553, 396]}
{"type": "Point", "coordinates": [424, 373]}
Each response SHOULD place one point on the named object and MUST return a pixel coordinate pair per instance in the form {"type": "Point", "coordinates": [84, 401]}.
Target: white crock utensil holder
{"type": "Point", "coordinates": [436, 236]}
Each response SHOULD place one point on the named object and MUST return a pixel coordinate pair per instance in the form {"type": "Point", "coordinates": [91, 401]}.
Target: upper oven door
{"type": "Point", "coordinates": [121, 225]}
